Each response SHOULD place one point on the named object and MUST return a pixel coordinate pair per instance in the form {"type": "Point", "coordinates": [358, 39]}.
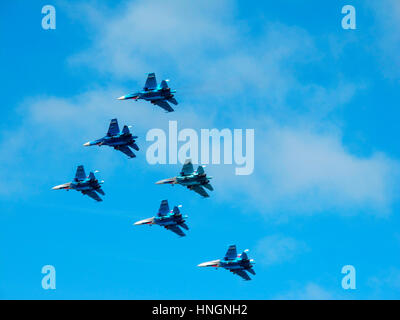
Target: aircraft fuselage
{"type": "Point", "coordinates": [192, 180]}
{"type": "Point", "coordinates": [85, 185]}
{"type": "Point", "coordinates": [119, 140]}
{"type": "Point", "coordinates": [235, 264]}
{"type": "Point", "coordinates": [156, 94]}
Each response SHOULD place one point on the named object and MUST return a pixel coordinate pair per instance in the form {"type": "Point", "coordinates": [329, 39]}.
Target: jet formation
{"type": "Point", "coordinates": [193, 180]}
{"type": "Point", "coordinates": [121, 141]}
{"type": "Point", "coordinates": [237, 264]}
{"type": "Point", "coordinates": [88, 185]}
{"type": "Point", "coordinates": [172, 220]}
{"type": "Point", "coordinates": [158, 95]}
{"type": "Point", "coordinates": [169, 219]}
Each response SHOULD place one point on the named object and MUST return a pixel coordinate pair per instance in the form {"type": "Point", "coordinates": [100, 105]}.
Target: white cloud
{"type": "Point", "coordinates": [276, 249]}
{"type": "Point", "coordinates": [386, 42]}
{"type": "Point", "coordinates": [389, 279]}
{"type": "Point", "coordinates": [304, 171]}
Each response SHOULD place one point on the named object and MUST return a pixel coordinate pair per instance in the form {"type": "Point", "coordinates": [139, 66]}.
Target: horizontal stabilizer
{"type": "Point", "coordinates": [163, 104]}
{"type": "Point", "coordinates": [251, 271]}
{"type": "Point", "coordinates": [135, 146]}
{"type": "Point", "coordinates": [125, 149]}
{"type": "Point", "coordinates": [173, 100]}
{"type": "Point", "coordinates": [175, 229]}
{"type": "Point", "coordinates": [100, 191]}
{"type": "Point", "coordinates": [208, 186]}
{"type": "Point", "coordinates": [184, 226]}
{"type": "Point", "coordinates": [199, 190]}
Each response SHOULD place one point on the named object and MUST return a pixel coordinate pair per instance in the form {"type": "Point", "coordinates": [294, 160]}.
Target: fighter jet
{"type": "Point", "coordinates": [88, 185]}
{"type": "Point", "coordinates": [158, 95]}
{"type": "Point", "coordinates": [193, 180]}
{"type": "Point", "coordinates": [237, 264]}
{"type": "Point", "coordinates": [169, 219]}
{"type": "Point", "coordinates": [118, 140]}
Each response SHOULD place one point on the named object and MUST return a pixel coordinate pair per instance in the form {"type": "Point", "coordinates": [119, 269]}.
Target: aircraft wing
{"type": "Point", "coordinates": [126, 150]}
{"type": "Point", "coordinates": [163, 104]}
{"type": "Point", "coordinates": [164, 208]}
{"type": "Point", "coordinates": [231, 253]}
{"type": "Point", "coordinates": [113, 129]}
{"type": "Point", "coordinates": [92, 194]}
{"type": "Point", "coordinates": [241, 273]}
{"type": "Point", "coordinates": [200, 191]}
{"type": "Point", "coordinates": [187, 168]}
{"type": "Point", "coordinates": [80, 174]}
{"type": "Point", "coordinates": [176, 229]}
{"type": "Point", "coordinates": [151, 82]}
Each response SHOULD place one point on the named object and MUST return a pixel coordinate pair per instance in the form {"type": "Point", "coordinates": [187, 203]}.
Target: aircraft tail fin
{"type": "Point", "coordinates": [113, 129]}
{"type": "Point", "coordinates": [244, 256]}
{"type": "Point", "coordinates": [125, 130]}
{"type": "Point", "coordinates": [200, 170]}
{"type": "Point", "coordinates": [164, 84]}
{"type": "Point", "coordinates": [80, 173]}
{"type": "Point", "coordinates": [91, 176]}
{"type": "Point", "coordinates": [151, 82]}
{"type": "Point", "coordinates": [176, 210]}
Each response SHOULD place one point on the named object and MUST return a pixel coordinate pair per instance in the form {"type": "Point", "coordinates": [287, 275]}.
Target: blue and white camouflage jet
{"type": "Point", "coordinates": [121, 141]}
{"type": "Point", "coordinates": [88, 185]}
{"type": "Point", "coordinates": [193, 180]}
{"type": "Point", "coordinates": [158, 95]}
{"type": "Point", "coordinates": [237, 264]}
{"type": "Point", "coordinates": [169, 219]}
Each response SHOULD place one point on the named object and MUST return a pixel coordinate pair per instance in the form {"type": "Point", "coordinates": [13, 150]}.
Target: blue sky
{"type": "Point", "coordinates": [322, 101]}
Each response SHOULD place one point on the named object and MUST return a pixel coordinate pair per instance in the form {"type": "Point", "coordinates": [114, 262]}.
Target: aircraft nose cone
{"type": "Point", "coordinates": [204, 264]}
{"type": "Point", "coordinates": [87, 144]}
{"type": "Point", "coordinates": [165, 181]}
{"type": "Point", "coordinates": [121, 98]}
